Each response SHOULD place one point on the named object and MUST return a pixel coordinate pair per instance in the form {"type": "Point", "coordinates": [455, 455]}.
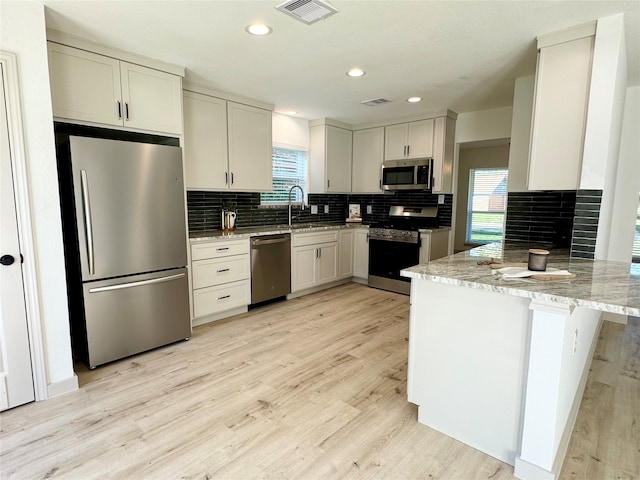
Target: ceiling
{"type": "Point", "coordinates": [460, 55]}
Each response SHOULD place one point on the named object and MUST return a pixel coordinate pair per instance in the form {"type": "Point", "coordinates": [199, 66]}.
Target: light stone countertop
{"type": "Point", "coordinates": [599, 285]}
{"type": "Point", "coordinates": [247, 232]}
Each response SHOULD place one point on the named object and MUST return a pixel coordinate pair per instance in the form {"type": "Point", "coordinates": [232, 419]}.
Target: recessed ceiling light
{"type": "Point", "coordinates": [414, 99]}
{"type": "Point", "coordinates": [356, 72]}
{"type": "Point", "coordinates": [258, 29]}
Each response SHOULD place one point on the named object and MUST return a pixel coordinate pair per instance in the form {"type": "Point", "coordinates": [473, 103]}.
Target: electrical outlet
{"type": "Point", "coordinates": [314, 209]}
{"type": "Point", "coordinates": [326, 209]}
{"type": "Point", "coordinates": [440, 199]}
{"type": "Point", "coordinates": [369, 209]}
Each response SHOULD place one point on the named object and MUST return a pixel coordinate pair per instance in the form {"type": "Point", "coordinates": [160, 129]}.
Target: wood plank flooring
{"type": "Point", "coordinates": [311, 388]}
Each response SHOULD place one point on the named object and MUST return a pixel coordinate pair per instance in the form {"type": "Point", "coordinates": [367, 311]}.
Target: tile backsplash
{"type": "Point", "coordinates": [585, 223]}
{"type": "Point", "coordinates": [540, 217]}
{"type": "Point", "coordinates": [204, 208]}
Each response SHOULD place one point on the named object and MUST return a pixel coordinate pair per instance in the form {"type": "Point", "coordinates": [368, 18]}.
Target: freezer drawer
{"type": "Point", "coordinates": [132, 314]}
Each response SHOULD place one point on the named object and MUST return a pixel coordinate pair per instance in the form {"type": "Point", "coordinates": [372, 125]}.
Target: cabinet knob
{"type": "Point", "coordinates": [7, 260]}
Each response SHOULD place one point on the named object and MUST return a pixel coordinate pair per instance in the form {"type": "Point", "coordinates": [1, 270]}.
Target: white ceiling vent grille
{"type": "Point", "coordinates": [307, 11]}
{"type": "Point", "coordinates": [374, 102]}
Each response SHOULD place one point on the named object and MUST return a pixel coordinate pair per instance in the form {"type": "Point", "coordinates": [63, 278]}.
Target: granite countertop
{"type": "Point", "coordinates": [600, 285]}
{"type": "Point", "coordinates": [247, 232]}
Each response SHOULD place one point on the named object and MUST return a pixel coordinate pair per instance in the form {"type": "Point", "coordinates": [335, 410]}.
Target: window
{"type": "Point", "coordinates": [289, 169]}
{"type": "Point", "coordinates": [487, 205]}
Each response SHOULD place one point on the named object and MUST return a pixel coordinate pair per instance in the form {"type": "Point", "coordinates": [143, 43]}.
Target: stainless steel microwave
{"type": "Point", "coordinates": [414, 174]}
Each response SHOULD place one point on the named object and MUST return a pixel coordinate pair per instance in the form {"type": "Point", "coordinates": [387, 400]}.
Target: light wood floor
{"type": "Point", "coordinates": [311, 388]}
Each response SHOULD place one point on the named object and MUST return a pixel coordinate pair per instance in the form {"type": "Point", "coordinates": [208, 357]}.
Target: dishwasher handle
{"type": "Point", "coordinates": [269, 241]}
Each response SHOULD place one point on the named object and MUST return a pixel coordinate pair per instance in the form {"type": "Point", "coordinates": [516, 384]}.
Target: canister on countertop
{"type": "Point", "coordinates": [538, 259]}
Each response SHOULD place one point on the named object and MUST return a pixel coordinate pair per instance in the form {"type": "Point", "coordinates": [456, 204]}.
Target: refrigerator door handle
{"type": "Point", "coordinates": [136, 284]}
{"type": "Point", "coordinates": [88, 228]}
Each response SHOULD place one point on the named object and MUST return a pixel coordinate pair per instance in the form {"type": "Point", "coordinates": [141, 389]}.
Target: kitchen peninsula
{"type": "Point", "coordinates": [500, 364]}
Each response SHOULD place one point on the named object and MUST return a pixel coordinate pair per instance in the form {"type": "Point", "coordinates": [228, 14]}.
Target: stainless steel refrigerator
{"type": "Point", "coordinates": [130, 292]}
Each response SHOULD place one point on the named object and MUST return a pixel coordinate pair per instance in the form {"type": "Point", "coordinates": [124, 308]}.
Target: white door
{"type": "Point", "coordinates": [16, 376]}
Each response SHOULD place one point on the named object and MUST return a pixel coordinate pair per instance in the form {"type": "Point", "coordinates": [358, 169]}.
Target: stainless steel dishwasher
{"type": "Point", "coordinates": [270, 267]}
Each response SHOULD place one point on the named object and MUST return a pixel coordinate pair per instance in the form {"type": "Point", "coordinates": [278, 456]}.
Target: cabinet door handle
{"type": "Point", "coordinates": [222, 270]}
{"type": "Point", "coordinates": [319, 253]}
{"type": "Point", "coordinates": [328, 183]}
{"type": "Point", "coordinates": [226, 178]}
{"type": "Point", "coordinates": [316, 253]}
{"type": "Point", "coordinates": [126, 111]}
{"type": "Point", "coordinates": [224, 296]}
{"type": "Point", "coordinates": [231, 178]}
{"type": "Point", "coordinates": [408, 149]}
{"type": "Point", "coordinates": [119, 110]}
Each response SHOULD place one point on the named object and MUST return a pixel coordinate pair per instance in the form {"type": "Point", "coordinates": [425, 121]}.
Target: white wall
{"type": "Point", "coordinates": [627, 184]}
{"type": "Point", "coordinates": [22, 27]}
{"type": "Point", "coordinates": [604, 123]}
{"type": "Point", "coordinates": [521, 133]}
{"type": "Point", "coordinates": [484, 125]}
{"type": "Point", "coordinates": [290, 131]}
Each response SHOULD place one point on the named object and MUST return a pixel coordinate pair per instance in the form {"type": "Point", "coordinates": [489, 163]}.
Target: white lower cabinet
{"type": "Point", "coordinates": [314, 259]}
{"type": "Point", "coordinates": [345, 259]}
{"type": "Point", "coordinates": [221, 276]}
{"type": "Point", "coordinates": [361, 253]}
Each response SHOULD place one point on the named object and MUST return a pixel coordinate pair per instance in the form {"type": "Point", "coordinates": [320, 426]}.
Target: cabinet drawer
{"type": "Point", "coordinates": [216, 271]}
{"type": "Point", "coordinates": [207, 301]}
{"type": "Point", "coordinates": [201, 251]}
{"type": "Point", "coordinates": [302, 239]}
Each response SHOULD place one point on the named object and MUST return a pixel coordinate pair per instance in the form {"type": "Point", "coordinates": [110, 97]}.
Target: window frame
{"type": "Point", "coordinates": [470, 211]}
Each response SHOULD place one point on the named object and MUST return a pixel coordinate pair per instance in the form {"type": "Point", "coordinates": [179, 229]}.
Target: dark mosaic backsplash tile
{"type": "Point", "coordinates": [381, 203]}
{"type": "Point", "coordinates": [585, 223]}
{"type": "Point", "coordinates": [204, 208]}
{"type": "Point", "coordinates": [540, 217]}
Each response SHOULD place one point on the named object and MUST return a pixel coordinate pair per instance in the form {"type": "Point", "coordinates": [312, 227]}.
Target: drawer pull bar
{"type": "Point", "coordinates": [223, 270]}
{"type": "Point", "coordinates": [223, 297]}
{"type": "Point", "coordinates": [220, 249]}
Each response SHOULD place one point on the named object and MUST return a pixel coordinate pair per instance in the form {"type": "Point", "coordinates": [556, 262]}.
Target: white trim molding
{"type": "Point", "coordinates": [23, 213]}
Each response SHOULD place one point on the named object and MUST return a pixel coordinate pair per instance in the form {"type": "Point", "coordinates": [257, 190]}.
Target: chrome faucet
{"type": "Point", "coordinates": [301, 201]}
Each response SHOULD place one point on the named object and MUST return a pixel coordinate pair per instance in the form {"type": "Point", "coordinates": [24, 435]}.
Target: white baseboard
{"type": "Point", "coordinates": [528, 471]}
{"type": "Point", "coordinates": [62, 387]}
{"type": "Point", "coordinates": [319, 288]}
{"type": "Point", "coordinates": [218, 316]}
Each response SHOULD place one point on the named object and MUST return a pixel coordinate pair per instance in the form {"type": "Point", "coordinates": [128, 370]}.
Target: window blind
{"type": "Point", "coordinates": [289, 169]}
{"type": "Point", "coordinates": [486, 205]}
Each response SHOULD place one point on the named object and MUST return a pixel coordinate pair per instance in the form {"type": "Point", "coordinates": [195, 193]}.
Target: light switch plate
{"type": "Point", "coordinates": [326, 209]}
{"type": "Point", "coordinates": [369, 209]}
{"type": "Point", "coordinates": [440, 199]}
{"type": "Point", "coordinates": [314, 209]}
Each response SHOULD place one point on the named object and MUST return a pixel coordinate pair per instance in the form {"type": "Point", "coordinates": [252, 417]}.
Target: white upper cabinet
{"type": "Point", "coordinates": [368, 152]}
{"type": "Point", "coordinates": [84, 86]}
{"type": "Point", "coordinates": [330, 150]}
{"type": "Point", "coordinates": [94, 88]}
{"type": "Point", "coordinates": [205, 142]}
{"type": "Point", "coordinates": [250, 147]}
{"type": "Point", "coordinates": [443, 146]}
{"type": "Point", "coordinates": [409, 140]}
{"type": "Point", "coordinates": [152, 99]}
{"type": "Point", "coordinates": [559, 114]}
{"type": "Point", "coordinates": [227, 145]}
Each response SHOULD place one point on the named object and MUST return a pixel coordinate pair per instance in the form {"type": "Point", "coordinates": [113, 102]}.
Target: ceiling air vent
{"type": "Point", "coordinates": [374, 102]}
{"type": "Point", "coordinates": [307, 11]}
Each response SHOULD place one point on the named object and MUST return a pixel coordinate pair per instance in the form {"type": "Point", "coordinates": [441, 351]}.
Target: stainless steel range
{"type": "Point", "coordinates": [395, 245]}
